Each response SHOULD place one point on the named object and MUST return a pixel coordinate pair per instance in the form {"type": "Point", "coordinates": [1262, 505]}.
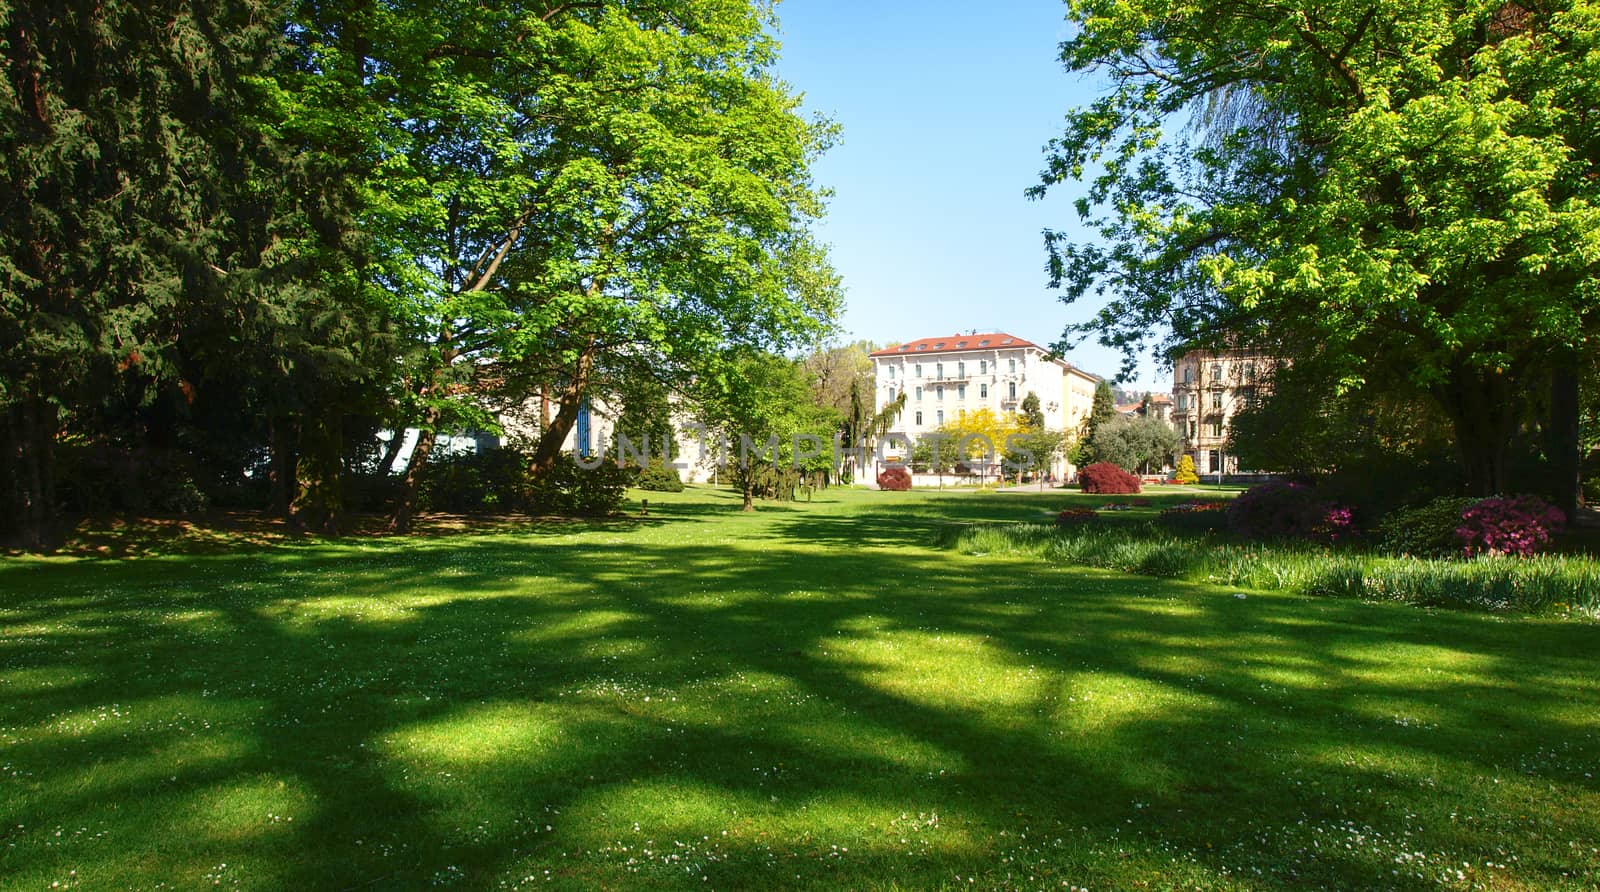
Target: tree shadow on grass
{"type": "Point", "coordinates": [425, 710]}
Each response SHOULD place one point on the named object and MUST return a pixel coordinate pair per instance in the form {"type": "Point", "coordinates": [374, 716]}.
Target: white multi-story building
{"type": "Point", "coordinates": [946, 377]}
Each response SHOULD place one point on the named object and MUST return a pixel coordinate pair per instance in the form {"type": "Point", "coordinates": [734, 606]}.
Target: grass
{"type": "Point", "coordinates": [813, 696]}
{"type": "Point", "coordinates": [1553, 583]}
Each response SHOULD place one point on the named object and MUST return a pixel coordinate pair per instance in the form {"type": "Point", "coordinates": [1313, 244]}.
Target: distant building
{"type": "Point", "coordinates": [944, 378]}
{"type": "Point", "coordinates": [1209, 387]}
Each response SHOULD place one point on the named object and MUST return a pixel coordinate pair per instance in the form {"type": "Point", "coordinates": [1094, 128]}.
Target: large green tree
{"type": "Point", "coordinates": [1406, 191]}
{"type": "Point", "coordinates": [755, 404]}
{"type": "Point", "coordinates": [559, 189]}
{"type": "Point", "coordinates": [1134, 443]}
{"type": "Point", "coordinates": [144, 187]}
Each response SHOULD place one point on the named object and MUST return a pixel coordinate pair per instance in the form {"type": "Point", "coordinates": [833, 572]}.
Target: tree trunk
{"type": "Point", "coordinates": [30, 450]}
{"type": "Point", "coordinates": [400, 524]}
{"type": "Point", "coordinates": [392, 452]}
{"type": "Point", "coordinates": [1563, 445]}
{"type": "Point", "coordinates": [568, 406]}
{"type": "Point", "coordinates": [749, 497]}
{"type": "Point", "coordinates": [1484, 407]}
{"type": "Point", "coordinates": [319, 496]}
{"type": "Point", "coordinates": [555, 434]}
{"type": "Point", "coordinates": [284, 467]}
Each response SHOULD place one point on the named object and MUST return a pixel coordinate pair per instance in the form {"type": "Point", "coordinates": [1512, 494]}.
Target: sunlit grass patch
{"type": "Point", "coordinates": [817, 696]}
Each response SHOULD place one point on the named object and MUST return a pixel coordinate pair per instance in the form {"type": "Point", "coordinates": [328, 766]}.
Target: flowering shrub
{"type": "Point", "coordinates": [894, 479]}
{"type": "Point", "coordinates": [1183, 508]}
{"type": "Point", "coordinates": [1338, 524]}
{"type": "Point", "coordinates": [1518, 526]}
{"type": "Point", "coordinates": [1285, 509]}
{"type": "Point", "coordinates": [1108, 479]}
{"type": "Point", "coordinates": [1074, 516]}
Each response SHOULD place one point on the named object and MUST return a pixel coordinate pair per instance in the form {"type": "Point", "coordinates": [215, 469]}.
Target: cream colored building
{"type": "Point", "coordinates": [945, 377]}
{"type": "Point", "coordinates": [1209, 387]}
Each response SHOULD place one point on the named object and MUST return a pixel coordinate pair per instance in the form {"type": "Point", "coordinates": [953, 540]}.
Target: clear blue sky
{"type": "Point", "coordinates": [945, 110]}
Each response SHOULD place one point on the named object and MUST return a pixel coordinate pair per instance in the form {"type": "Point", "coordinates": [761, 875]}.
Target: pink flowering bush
{"type": "Point", "coordinates": [1516, 525]}
{"type": "Point", "coordinates": [1338, 524]}
{"type": "Point", "coordinates": [1285, 509]}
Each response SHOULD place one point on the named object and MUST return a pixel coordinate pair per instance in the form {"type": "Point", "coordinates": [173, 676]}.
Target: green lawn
{"type": "Point", "coordinates": [812, 696]}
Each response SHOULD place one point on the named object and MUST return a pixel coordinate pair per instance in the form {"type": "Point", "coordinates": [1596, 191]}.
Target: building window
{"type": "Point", "coordinates": [891, 373]}
{"type": "Point", "coordinates": [1216, 400]}
{"type": "Point", "coordinates": [938, 392]}
{"type": "Point", "coordinates": [919, 393]}
{"type": "Point", "coordinates": [1013, 389]}
{"type": "Point", "coordinates": [1183, 401]}
{"type": "Point", "coordinates": [983, 366]}
{"type": "Point", "coordinates": [1188, 374]}
{"type": "Point", "coordinates": [919, 418]}
{"type": "Point", "coordinates": [961, 391]}
{"type": "Point", "coordinates": [1216, 373]}
{"type": "Point", "coordinates": [1214, 461]}
{"type": "Point", "coordinates": [939, 416]}
{"type": "Point", "coordinates": [1194, 429]}
{"type": "Point", "coordinates": [983, 391]}
{"type": "Point", "coordinates": [961, 370]}
{"type": "Point", "coordinates": [919, 370]}
{"type": "Point", "coordinates": [938, 371]}
{"type": "Point", "coordinates": [1013, 363]}
{"type": "Point", "coordinates": [1250, 371]}
{"type": "Point", "coordinates": [1216, 428]}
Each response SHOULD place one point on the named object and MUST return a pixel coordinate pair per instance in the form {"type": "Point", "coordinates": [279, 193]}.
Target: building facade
{"type": "Point", "coordinates": [1210, 387]}
{"type": "Point", "coordinates": [944, 378]}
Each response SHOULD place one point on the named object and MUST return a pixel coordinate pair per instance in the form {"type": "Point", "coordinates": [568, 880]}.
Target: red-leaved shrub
{"type": "Point", "coordinates": [1107, 479]}
{"type": "Point", "coordinates": [896, 479]}
{"type": "Point", "coordinates": [1520, 525]}
{"type": "Point", "coordinates": [1073, 516]}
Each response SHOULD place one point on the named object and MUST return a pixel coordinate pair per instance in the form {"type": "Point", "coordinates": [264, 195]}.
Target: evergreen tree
{"type": "Point", "coordinates": [130, 156]}
{"type": "Point", "coordinates": [1101, 411]}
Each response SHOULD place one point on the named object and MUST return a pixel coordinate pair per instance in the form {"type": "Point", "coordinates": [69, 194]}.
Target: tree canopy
{"type": "Point", "coordinates": [1405, 191]}
{"type": "Point", "coordinates": [281, 227]}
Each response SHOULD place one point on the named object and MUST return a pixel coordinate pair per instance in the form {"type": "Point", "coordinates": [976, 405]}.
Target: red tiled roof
{"type": "Point", "coordinates": [951, 343]}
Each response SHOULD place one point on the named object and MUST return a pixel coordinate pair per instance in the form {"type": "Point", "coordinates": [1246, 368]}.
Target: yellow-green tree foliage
{"type": "Point", "coordinates": [1186, 472]}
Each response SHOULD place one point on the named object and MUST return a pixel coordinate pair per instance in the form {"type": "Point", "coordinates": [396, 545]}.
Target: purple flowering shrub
{"type": "Point", "coordinates": [1516, 525]}
{"type": "Point", "coordinates": [1338, 524]}
{"type": "Point", "coordinates": [1284, 509]}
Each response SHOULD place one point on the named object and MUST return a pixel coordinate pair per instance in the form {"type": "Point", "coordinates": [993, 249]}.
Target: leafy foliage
{"type": "Point", "coordinates": [1407, 191]}
{"type": "Point", "coordinates": [894, 479]}
{"type": "Point", "coordinates": [1107, 478]}
{"type": "Point", "coordinates": [1426, 530]}
{"type": "Point", "coordinates": [1186, 472]}
{"type": "Point", "coordinates": [565, 488]}
{"type": "Point", "coordinates": [1287, 509]}
{"type": "Point", "coordinates": [1134, 443]}
{"type": "Point", "coordinates": [657, 477]}
{"type": "Point", "coordinates": [488, 480]}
